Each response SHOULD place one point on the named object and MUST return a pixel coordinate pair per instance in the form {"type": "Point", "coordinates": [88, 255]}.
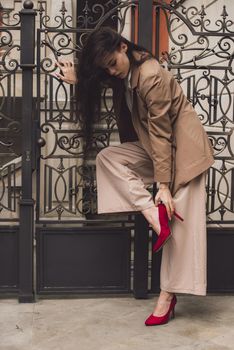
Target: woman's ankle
{"type": "Point", "coordinates": [166, 296]}
{"type": "Point", "coordinates": [151, 215]}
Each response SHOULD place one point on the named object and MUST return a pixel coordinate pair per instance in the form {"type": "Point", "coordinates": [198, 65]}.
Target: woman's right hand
{"type": "Point", "coordinates": [164, 195]}
{"type": "Point", "coordinates": [68, 71]}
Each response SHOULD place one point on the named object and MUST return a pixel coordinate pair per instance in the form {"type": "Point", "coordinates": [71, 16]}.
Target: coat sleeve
{"type": "Point", "coordinates": [156, 93]}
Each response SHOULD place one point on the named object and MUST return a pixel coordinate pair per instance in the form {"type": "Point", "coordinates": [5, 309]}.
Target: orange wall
{"type": "Point", "coordinates": [163, 33]}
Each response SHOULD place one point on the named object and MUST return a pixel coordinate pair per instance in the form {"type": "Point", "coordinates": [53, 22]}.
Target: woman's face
{"type": "Point", "coordinates": [117, 63]}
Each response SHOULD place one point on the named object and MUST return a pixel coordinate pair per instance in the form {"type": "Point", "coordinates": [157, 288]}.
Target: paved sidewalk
{"type": "Point", "coordinates": [116, 323]}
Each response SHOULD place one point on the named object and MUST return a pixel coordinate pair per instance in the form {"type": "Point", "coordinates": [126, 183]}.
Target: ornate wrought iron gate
{"type": "Point", "coordinates": [78, 251]}
{"type": "Point", "coordinates": [201, 57]}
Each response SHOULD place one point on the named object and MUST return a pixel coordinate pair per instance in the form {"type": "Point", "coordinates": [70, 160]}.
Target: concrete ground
{"type": "Point", "coordinates": [116, 323]}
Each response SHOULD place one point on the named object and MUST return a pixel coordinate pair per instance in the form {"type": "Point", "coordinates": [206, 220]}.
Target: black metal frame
{"type": "Point", "coordinates": [26, 289]}
{"type": "Point", "coordinates": [78, 181]}
{"type": "Point", "coordinates": [69, 145]}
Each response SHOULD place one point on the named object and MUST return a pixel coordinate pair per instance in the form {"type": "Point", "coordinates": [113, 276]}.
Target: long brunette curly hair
{"type": "Point", "coordinates": [92, 78]}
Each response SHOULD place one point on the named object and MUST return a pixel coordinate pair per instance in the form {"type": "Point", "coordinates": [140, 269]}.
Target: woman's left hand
{"type": "Point", "coordinates": [67, 71]}
{"type": "Point", "coordinates": [164, 195]}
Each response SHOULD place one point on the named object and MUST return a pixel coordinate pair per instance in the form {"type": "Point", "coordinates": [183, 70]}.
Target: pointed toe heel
{"type": "Point", "coordinates": [160, 320]}
{"type": "Point", "coordinates": [165, 232]}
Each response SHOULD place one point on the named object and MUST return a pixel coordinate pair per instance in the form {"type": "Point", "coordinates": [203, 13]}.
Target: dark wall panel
{"type": "Point", "coordinates": [83, 260]}
{"type": "Point", "coordinates": [220, 264]}
{"type": "Point", "coordinates": [8, 259]}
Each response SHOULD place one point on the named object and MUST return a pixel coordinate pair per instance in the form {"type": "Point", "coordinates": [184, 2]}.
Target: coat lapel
{"type": "Point", "coordinates": [134, 84]}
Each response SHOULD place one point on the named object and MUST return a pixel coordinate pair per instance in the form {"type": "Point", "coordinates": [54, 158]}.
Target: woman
{"type": "Point", "coordinates": [163, 141]}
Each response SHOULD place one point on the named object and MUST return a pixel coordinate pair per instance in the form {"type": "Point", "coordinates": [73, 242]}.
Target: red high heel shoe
{"type": "Point", "coordinates": [165, 232]}
{"type": "Point", "coordinates": [158, 320]}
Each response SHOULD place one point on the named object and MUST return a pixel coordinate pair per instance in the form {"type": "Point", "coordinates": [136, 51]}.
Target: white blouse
{"type": "Point", "coordinates": [128, 91]}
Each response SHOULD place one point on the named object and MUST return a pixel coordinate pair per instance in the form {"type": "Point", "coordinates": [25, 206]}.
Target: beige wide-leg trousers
{"type": "Point", "coordinates": [123, 173]}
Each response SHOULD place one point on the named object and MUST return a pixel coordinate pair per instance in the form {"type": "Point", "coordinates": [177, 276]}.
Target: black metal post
{"type": "Point", "coordinates": [157, 39]}
{"type": "Point", "coordinates": [141, 247]}
{"type": "Point", "coordinates": [145, 23]}
{"type": "Point", "coordinates": [141, 244]}
{"type": "Point", "coordinates": [26, 292]}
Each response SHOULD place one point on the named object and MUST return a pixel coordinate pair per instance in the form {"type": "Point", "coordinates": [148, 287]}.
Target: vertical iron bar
{"type": "Point", "coordinates": [26, 292]}
{"type": "Point", "coordinates": [70, 188]}
{"type": "Point", "coordinates": [141, 246]}
{"type": "Point", "coordinates": [189, 88]}
{"type": "Point", "coordinates": [215, 98]}
{"type": "Point", "coordinates": [46, 201]}
{"type": "Point", "coordinates": [10, 188]}
{"type": "Point", "coordinates": [213, 185]}
{"type": "Point", "coordinates": [51, 99]}
{"type": "Point", "coordinates": [49, 184]}
{"type": "Point", "coordinates": [37, 127]}
{"type": "Point", "coordinates": [145, 23]}
{"type": "Point", "coordinates": [208, 193]}
{"type": "Point", "coordinates": [157, 44]}
{"type": "Point", "coordinates": [232, 191]}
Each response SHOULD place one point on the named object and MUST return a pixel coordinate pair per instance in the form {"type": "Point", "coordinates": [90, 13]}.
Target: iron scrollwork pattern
{"type": "Point", "coordinates": [66, 182]}
{"type": "Point", "coordinates": [201, 58]}
{"type": "Point", "coordinates": [10, 113]}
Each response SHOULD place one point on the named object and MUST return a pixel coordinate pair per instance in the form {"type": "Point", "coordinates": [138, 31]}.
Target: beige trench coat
{"type": "Point", "coordinates": [165, 123]}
